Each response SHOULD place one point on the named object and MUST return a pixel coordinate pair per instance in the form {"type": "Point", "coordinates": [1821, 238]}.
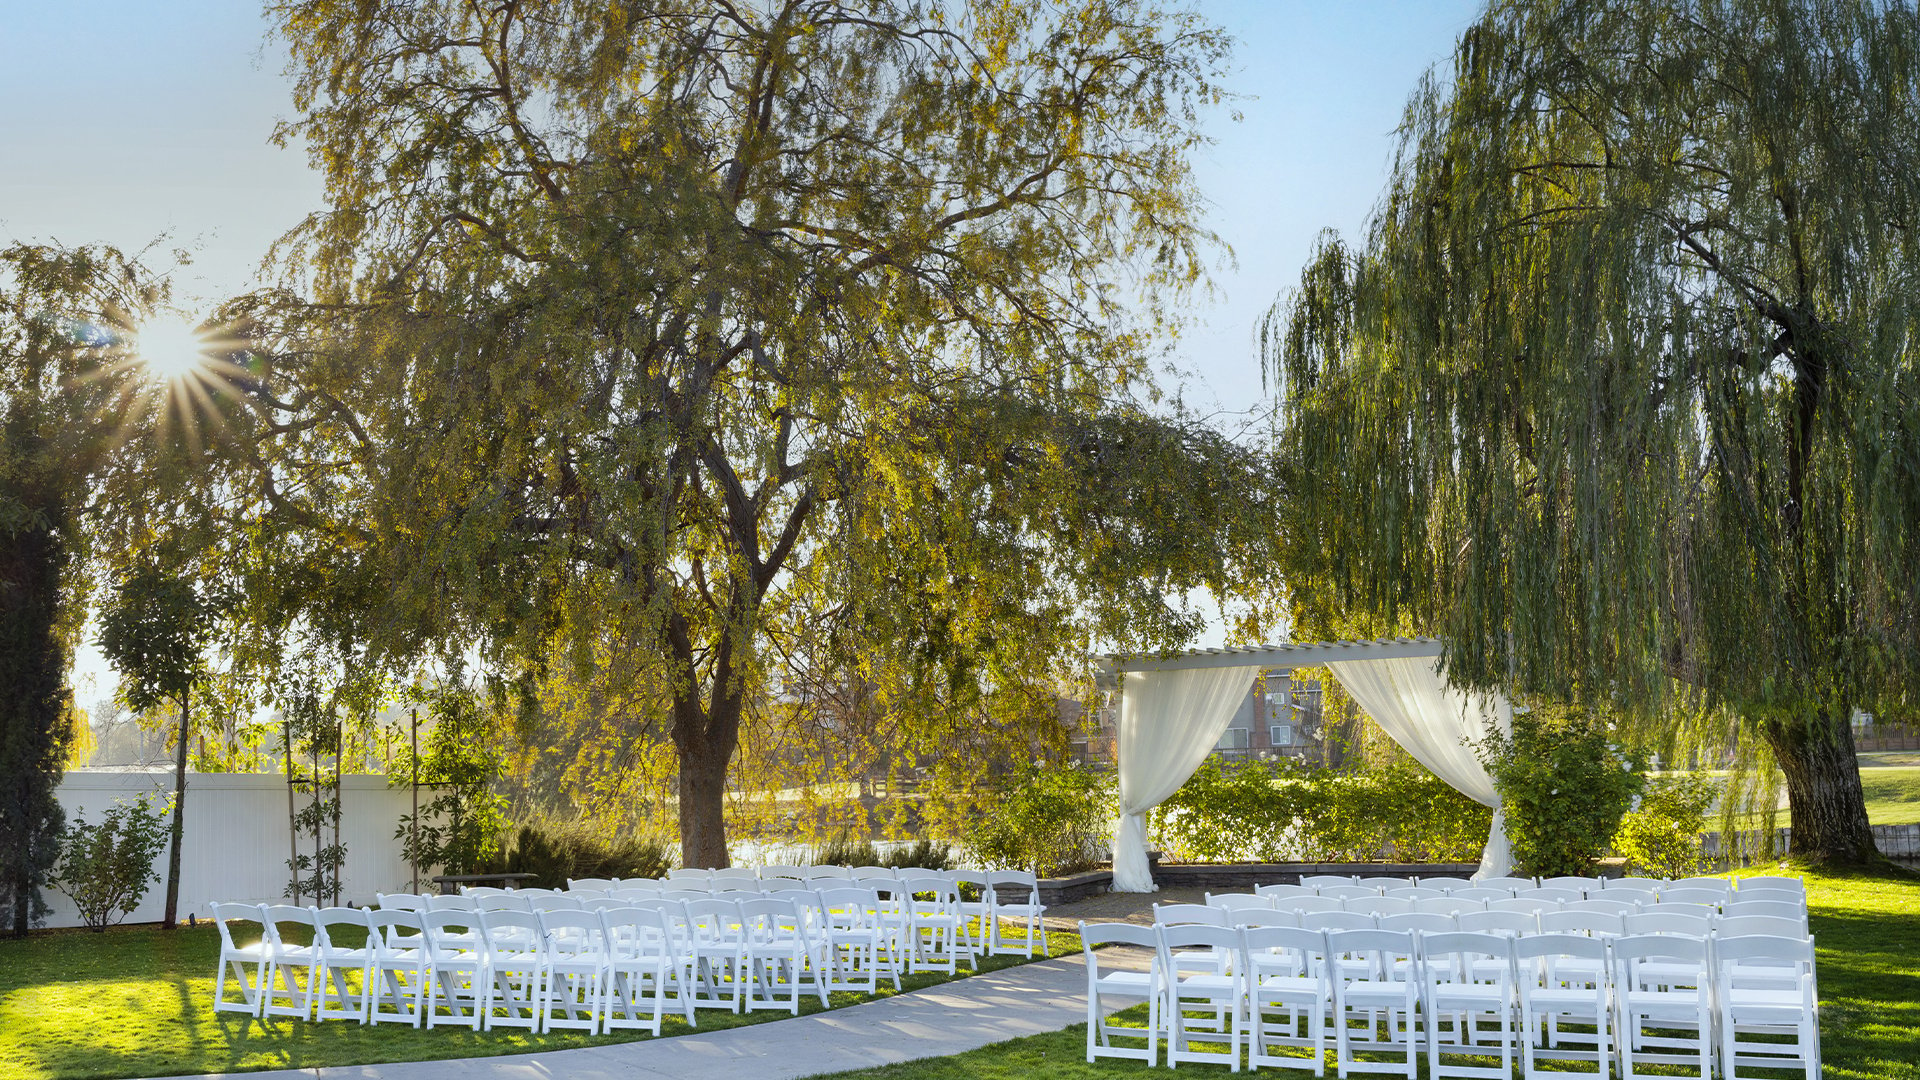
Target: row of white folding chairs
{"type": "Point", "coordinates": [680, 875]}
{"type": "Point", "coordinates": [1290, 995]}
{"type": "Point", "coordinates": [1395, 905]}
{"type": "Point", "coordinates": [1010, 900]}
{"type": "Point", "coordinates": [1693, 890]}
{"type": "Point", "coordinates": [591, 969]}
{"type": "Point", "coordinates": [1654, 920]}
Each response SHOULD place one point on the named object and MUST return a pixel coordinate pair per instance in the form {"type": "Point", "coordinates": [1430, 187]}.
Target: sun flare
{"type": "Point", "coordinates": [172, 349]}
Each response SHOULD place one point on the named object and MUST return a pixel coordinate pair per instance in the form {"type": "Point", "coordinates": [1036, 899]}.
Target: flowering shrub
{"type": "Point", "coordinates": [1661, 836]}
{"type": "Point", "coordinates": [1281, 810]}
{"type": "Point", "coordinates": [106, 868]}
{"type": "Point", "coordinates": [1564, 787]}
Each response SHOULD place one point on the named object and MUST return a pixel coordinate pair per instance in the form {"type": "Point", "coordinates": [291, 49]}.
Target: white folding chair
{"type": "Point", "coordinates": [936, 931]}
{"type": "Point", "coordinates": [680, 875]}
{"type": "Point", "coordinates": [595, 884]}
{"type": "Point", "coordinates": [1305, 904]}
{"type": "Point", "coordinates": [341, 964]}
{"type": "Point", "coordinates": [501, 901]}
{"type": "Point", "coordinates": [289, 981]}
{"type": "Point", "coordinates": [793, 873]}
{"type": "Point", "coordinates": [397, 972]}
{"type": "Point", "coordinates": [559, 902]}
{"type": "Point", "coordinates": [578, 963]}
{"type": "Point", "coordinates": [643, 965]}
{"type": "Point", "coordinates": [718, 953]}
{"type": "Point", "coordinates": [1615, 906]}
{"type": "Point", "coordinates": [1200, 914]}
{"type": "Point", "coordinates": [1649, 887]}
{"type": "Point", "coordinates": [401, 901]}
{"type": "Point", "coordinates": [456, 968]}
{"type": "Point", "coordinates": [1376, 985]}
{"type": "Point", "coordinates": [1192, 989]}
{"type": "Point", "coordinates": [1481, 893]}
{"type": "Point", "coordinates": [1124, 984]}
{"type": "Point", "coordinates": [1763, 925]}
{"type": "Point", "coordinates": [1723, 886]}
{"type": "Point", "coordinates": [1324, 921]}
{"type": "Point", "coordinates": [1388, 884]}
{"type": "Point", "coordinates": [1284, 972]}
{"type": "Point", "coordinates": [1238, 901]}
{"type": "Point", "coordinates": [246, 963]}
{"type": "Point", "coordinates": [1468, 986]}
{"type": "Point", "coordinates": [1773, 909]}
{"type": "Point", "coordinates": [1265, 917]}
{"type": "Point", "coordinates": [456, 902]}
{"type": "Point", "coordinates": [780, 953]}
{"type": "Point", "coordinates": [1556, 896]}
{"type": "Point", "coordinates": [1707, 897]}
{"type": "Point", "coordinates": [1563, 981]}
{"type": "Point", "coordinates": [1590, 923]}
{"type": "Point", "coordinates": [517, 966]}
{"type": "Point", "coordinates": [856, 940]}
{"type": "Point", "coordinates": [1016, 898]}
{"type": "Point", "coordinates": [1276, 891]}
{"type": "Point", "coordinates": [1316, 882]}
{"type": "Point", "coordinates": [1656, 921]}
{"type": "Point", "coordinates": [1420, 922]}
{"type": "Point", "coordinates": [828, 873]}
{"type": "Point", "coordinates": [1662, 998]}
{"type": "Point", "coordinates": [1349, 892]}
{"type": "Point", "coordinates": [1782, 1009]}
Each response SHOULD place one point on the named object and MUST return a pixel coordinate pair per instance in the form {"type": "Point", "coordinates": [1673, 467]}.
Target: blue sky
{"type": "Point", "coordinates": [128, 119]}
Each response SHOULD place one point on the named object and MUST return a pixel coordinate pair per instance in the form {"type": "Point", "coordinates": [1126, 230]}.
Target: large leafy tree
{"type": "Point", "coordinates": [627, 323]}
{"type": "Point", "coordinates": [69, 397]}
{"type": "Point", "coordinates": [1620, 394]}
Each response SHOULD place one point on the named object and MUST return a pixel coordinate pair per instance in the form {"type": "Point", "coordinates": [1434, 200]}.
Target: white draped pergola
{"type": "Point", "coordinates": [1174, 708]}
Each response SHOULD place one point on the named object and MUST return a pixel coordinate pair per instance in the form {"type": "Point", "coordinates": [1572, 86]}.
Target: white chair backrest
{"type": "Point", "coordinates": [574, 933]}
{"type": "Point", "coordinates": [1596, 923]}
{"type": "Point", "coordinates": [689, 873]}
{"type": "Point", "coordinates": [482, 890]}
{"type": "Point", "coordinates": [340, 927]}
{"type": "Point", "coordinates": [825, 873]}
{"type": "Point", "coordinates": [452, 903]}
{"type": "Point", "coordinates": [1014, 886]}
{"type": "Point", "coordinates": [225, 915]}
{"type": "Point", "coordinates": [556, 903]}
{"type": "Point", "coordinates": [1482, 893]}
{"type": "Point", "coordinates": [1425, 922]}
{"type": "Point", "coordinates": [400, 901]}
{"type": "Point", "coordinates": [279, 917]}
{"type": "Point", "coordinates": [1616, 905]}
{"type": "Point", "coordinates": [597, 884]}
{"type": "Point", "coordinates": [1177, 914]}
{"type": "Point", "coordinates": [1264, 917]}
{"type": "Point", "coordinates": [1514, 883]}
{"type": "Point", "coordinates": [1384, 952]}
{"type": "Point", "coordinates": [1348, 892]}
{"type": "Point", "coordinates": [1558, 896]}
{"type": "Point", "coordinates": [1497, 922]}
{"type": "Point", "coordinates": [1463, 956]}
{"type": "Point", "coordinates": [1416, 892]}
{"type": "Point", "coordinates": [874, 872]}
{"type": "Point", "coordinates": [1758, 926]}
{"type": "Point", "coordinates": [1769, 896]}
{"type": "Point", "coordinates": [1721, 885]}
{"type": "Point", "coordinates": [1774, 908]}
{"type": "Point", "coordinates": [1773, 881]}
{"type": "Point", "coordinates": [1586, 886]}
{"type": "Point", "coordinates": [1171, 941]}
{"type": "Point", "coordinates": [1444, 884]}
{"type": "Point", "coordinates": [511, 931]}
{"type": "Point", "coordinates": [1637, 884]}
{"type": "Point", "coordinates": [1667, 953]}
{"type": "Point", "coordinates": [1306, 949]}
{"type": "Point", "coordinates": [1711, 897]}
{"type": "Point", "coordinates": [502, 902]}
{"type": "Point", "coordinates": [448, 930]}
{"type": "Point", "coordinates": [1538, 959]}
{"type": "Point", "coordinates": [1321, 881]}
{"type": "Point", "coordinates": [1530, 905]}
{"type": "Point", "coordinates": [1238, 901]}
{"type": "Point", "coordinates": [1707, 910]}
{"type": "Point", "coordinates": [1282, 890]}
{"type": "Point", "coordinates": [631, 932]}
{"type": "Point", "coordinates": [1656, 920]}
{"type": "Point", "coordinates": [798, 873]}
{"type": "Point", "coordinates": [394, 928]}
{"type": "Point", "coordinates": [1449, 905]}
{"type": "Point", "coordinates": [1388, 884]}
{"type": "Point", "coordinates": [1378, 905]}
{"type": "Point", "coordinates": [1770, 951]}
{"type": "Point", "coordinates": [1305, 904]}
{"type": "Point", "coordinates": [1337, 920]}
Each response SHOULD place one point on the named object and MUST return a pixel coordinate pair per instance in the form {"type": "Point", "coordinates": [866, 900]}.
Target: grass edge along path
{"type": "Point", "coordinates": [1866, 930]}
{"type": "Point", "coordinates": [137, 1001]}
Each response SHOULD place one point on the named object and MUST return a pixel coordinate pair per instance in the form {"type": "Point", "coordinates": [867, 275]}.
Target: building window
{"type": "Point", "coordinates": [1280, 734]}
{"type": "Point", "coordinates": [1235, 738]}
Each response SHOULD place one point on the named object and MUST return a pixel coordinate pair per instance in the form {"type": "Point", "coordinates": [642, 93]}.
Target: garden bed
{"type": "Point", "coordinates": [1221, 877]}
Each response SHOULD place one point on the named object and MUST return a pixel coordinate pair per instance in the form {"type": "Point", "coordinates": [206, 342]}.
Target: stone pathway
{"type": "Point", "coordinates": [939, 1021]}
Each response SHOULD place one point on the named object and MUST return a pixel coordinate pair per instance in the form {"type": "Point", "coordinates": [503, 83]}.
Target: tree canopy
{"type": "Point", "coordinates": [636, 336]}
{"type": "Point", "coordinates": [1619, 393]}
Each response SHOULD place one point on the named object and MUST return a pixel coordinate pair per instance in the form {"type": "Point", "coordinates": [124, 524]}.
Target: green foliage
{"type": "Point", "coordinates": [554, 852]}
{"type": "Point", "coordinates": [1661, 836]}
{"type": "Point", "coordinates": [625, 385]}
{"type": "Point", "coordinates": [1618, 395]}
{"type": "Point", "coordinates": [844, 851]}
{"type": "Point", "coordinates": [923, 853]}
{"type": "Point", "coordinates": [154, 630]}
{"type": "Point", "coordinates": [1281, 810]}
{"type": "Point", "coordinates": [106, 868]}
{"type": "Point", "coordinates": [1564, 786]}
{"type": "Point", "coordinates": [462, 824]}
{"type": "Point", "coordinates": [1051, 819]}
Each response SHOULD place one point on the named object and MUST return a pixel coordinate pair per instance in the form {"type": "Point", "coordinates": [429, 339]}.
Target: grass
{"type": "Point", "coordinates": [1893, 794]}
{"type": "Point", "coordinates": [1867, 930]}
{"type": "Point", "coordinates": [136, 1001]}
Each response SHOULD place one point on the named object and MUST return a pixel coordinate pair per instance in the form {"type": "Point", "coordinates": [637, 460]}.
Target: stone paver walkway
{"type": "Point", "coordinates": [939, 1021]}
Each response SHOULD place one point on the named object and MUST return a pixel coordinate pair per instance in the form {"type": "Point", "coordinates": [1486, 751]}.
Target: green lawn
{"type": "Point", "coordinates": [1893, 794]}
{"type": "Point", "coordinates": [136, 1001]}
{"type": "Point", "coordinates": [1867, 930]}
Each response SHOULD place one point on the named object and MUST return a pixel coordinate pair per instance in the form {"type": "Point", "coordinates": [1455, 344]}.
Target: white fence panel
{"type": "Point", "coordinates": [236, 844]}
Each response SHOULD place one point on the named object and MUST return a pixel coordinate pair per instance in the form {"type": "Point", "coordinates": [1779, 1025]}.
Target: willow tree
{"type": "Point", "coordinates": [1620, 394]}
{"type": "Point", "coordinates": [625, 319]}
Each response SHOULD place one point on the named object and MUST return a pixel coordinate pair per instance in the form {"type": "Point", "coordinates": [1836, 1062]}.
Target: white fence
{"type": "Point", "coordinates": [236, 844]}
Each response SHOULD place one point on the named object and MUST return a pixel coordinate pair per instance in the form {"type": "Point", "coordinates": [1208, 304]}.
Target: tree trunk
{"type": "Point", "coordinates": [705, 740]}
{"type": "Point", "coordinates": [1827, 807]}
{"type": "Point", "coordinates": [172, 915]}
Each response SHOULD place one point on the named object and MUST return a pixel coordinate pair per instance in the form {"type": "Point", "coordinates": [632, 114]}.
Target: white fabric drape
{"type": "Point", "coordinates": [1412, 703]}
{"type": "Point", "coordinates": [1169, 722]}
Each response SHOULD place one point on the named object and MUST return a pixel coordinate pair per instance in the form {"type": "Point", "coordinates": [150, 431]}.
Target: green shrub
{"type": "Point", "coordinates": [1565, 788]}
{"type": "Point", "coordinates": [847, 852]}
{"type": "Point", "coordinates": [553, 852]}
{"type": "Point", "coordinates": [106, 868]}
{"type": "Point", "coordinates": [1052, 819]}
{"type": "Point", "coordinates": [1282, 810]}
{"type": "Point", "coordinates": [923, 853]}
{"type": "Point", "coordinates": [1661, 836]}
